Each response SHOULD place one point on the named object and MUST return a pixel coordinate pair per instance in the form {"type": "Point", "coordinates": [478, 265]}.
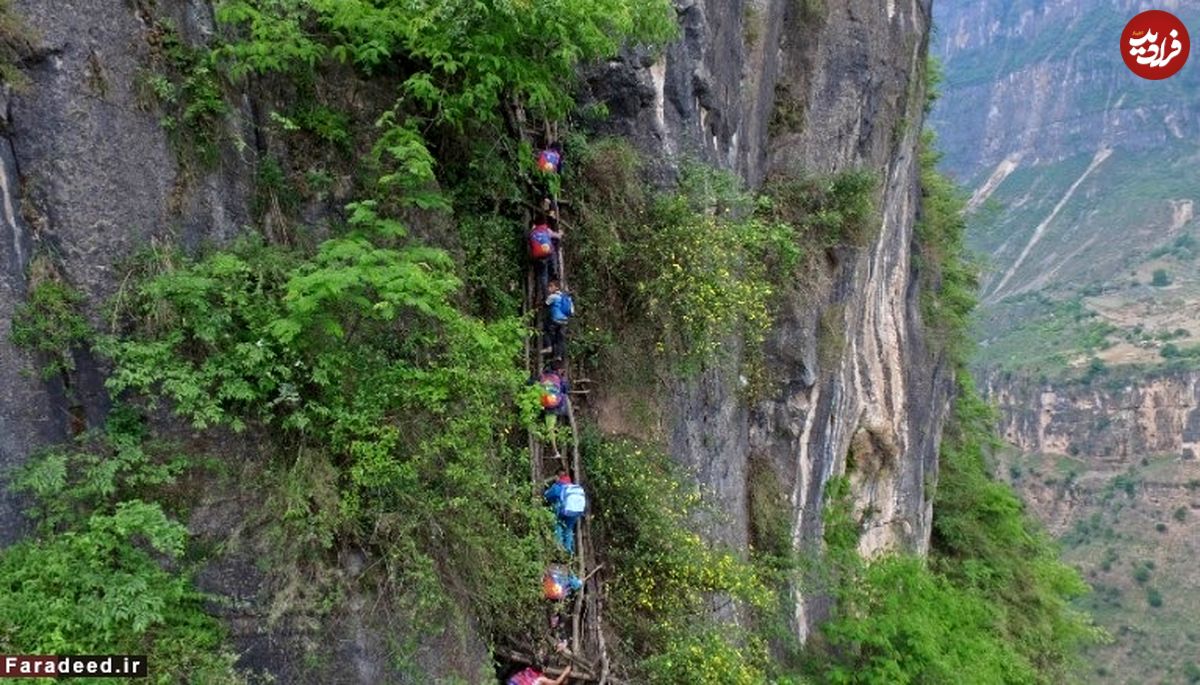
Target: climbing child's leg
{"type": "Point", "coordinates": [568, 535]}
{"type": "Point", "coordinates": [564, 535]}
{"type": "Point", "coordinates": [552, 430]}
{"type": "Point", "coordinates": [543, 267]}
{"type": "Point", "coordinates": [558, 337]}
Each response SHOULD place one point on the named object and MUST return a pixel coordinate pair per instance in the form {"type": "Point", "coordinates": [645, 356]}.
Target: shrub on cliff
{"type": "Point", "coordinates": [663, 577]}
{"type": "Point", "coordinates": [106, 570]}
{"type": "Point", "coordinates": [388, 410]}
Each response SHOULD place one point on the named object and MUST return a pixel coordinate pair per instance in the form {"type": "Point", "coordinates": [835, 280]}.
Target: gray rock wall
{"type": "Point", "coordinates": [821, 87]}
{"type": "Point", "coordinates": [1115, 420]}
{"type": "Point", "coordinates": [89, 177]}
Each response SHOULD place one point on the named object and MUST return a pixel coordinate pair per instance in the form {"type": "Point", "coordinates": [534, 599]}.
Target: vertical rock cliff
{"type": "Point", "coordinates": [1117, 421]}
{"type": "Point", "coordinates": [817, 88]}
{"type": "Point", "coordinates": [762, 87]}
{"type": "Point", "coordinates": [89, 177]}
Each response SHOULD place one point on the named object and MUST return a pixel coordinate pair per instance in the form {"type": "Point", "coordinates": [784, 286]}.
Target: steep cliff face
{"type": "Point", "coordinates": [89, 176]}
{"type": "Point", "coordinates": [1111, 468]}
{"type": "Point", "coordinates": [759, 87]}
{"type": "Point", "coordinates": [823, 88]}
{"type": "Point", "coordinates": [1039, 81]}
{"type": "Point", "coordinates": [1117, 421]}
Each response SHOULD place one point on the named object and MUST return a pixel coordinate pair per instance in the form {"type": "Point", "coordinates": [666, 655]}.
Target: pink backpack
{"type": "Point", "coordinates": [527, 677]}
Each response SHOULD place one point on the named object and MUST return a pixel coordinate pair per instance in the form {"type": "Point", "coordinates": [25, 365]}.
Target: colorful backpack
{"type": "Point", "coordinates": [563, 307]}
{"type": "Point", "coordinates": [551, 390]}
{"type": "Point", "coordinates": [554, 583]}
{"type": "Point", "coordinates": [574, 500]}
{"type": "Point", "coordinates": [541, 244]}
{"type": "Point", "coordinates": [528, 676]}
{"type": "Point", "coordinates": [548, 161]}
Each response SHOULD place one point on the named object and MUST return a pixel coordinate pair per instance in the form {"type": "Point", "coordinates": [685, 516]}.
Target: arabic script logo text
{"type": "Point", "coordinates": [1155, 44]}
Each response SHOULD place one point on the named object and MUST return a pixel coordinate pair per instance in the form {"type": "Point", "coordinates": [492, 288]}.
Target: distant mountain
{"type": "Point", "coordinates": [1084, 183]}
{"type": "Point", "coordinates": [1084, 179]}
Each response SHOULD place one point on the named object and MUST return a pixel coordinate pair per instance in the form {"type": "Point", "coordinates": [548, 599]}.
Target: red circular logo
{"type": "Point", "coordinates": [1155, 44]}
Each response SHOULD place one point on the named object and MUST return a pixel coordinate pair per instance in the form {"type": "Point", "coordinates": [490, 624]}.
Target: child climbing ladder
{"type": "Point", "coordinates": [550, 301]}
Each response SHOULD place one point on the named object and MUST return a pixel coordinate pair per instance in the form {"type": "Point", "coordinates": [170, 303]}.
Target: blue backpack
{"type": "Point", "coordinates": [564, 307]}
{"type": "Point", "coordinates": [573, 501]}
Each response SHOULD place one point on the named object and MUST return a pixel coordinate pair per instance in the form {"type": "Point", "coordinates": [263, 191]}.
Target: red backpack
{"type": "Point", "coordinates": [528, 676]}
{"type": "Point", "coordinates": [551, 390]}
{"type": "Point", "coordinates": [541, 244]}
{"type": "Point", "coordinates": [548, 161]}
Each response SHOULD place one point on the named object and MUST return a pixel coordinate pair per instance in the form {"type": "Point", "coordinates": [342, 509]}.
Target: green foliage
{"type": "Point", "coordinates": [99, 588]}
{"type": "Point", "coordinates": [1180, 354]}
{"type": "Point", "coordinates": [1154, 597]}
{"type": "Point", "coordinates": [811, 10]}
{"type": "Point", "coordinates": [948, 275]}
{"type": "Point", "coordinates": [992, 599]}
{"type": "Point", "coordinates": [825, 211]}
{"type": "Point", "coordinates": [707, 655]}
{"type": "Point", "coordinates": [1183, 248]}
{"type": "Point", "coordinates": [68, 483]}
{"type": "Point", "coordinates": [663, 574]}
{"type": "Point", "coordinates": [701, 257]}
{"type": "Point", "coordinates": [696, 267]}
{"type": "Point", "coordinates": [900, 623]}
{"type": "Point", "coordinates": [1160, 279]}
{"type": "Point", "coordinates": [465, 57]}
{"type": "Point", "coordinates": [184, 83]}
{"type": "Point", "coordinates": [984, 541]}
{"type": "Point", "coordinates": [1181, 514]}
{"type": "Point", "coordinates": [935, 74]}
{"type": "Point", "coordinates": [464, 63]}
{"type": "Point", "coordinates": [494, 258]}
{"type": "Point", "coordinates": [16, 43]}
{"type": "Point", "coordinates": [788, 112]}
{"type": "Point", "coordinates": [1039, 334]}
{"type": "Point", "coordinates": [837, 516]}
{"type": "Point", "coordinates": [702, 266]}
{"type": "Point", "coordinates": [326, 124]}
{"type": "Point", "coordinates": [274, 197]}
{"type": "Point", "coordinates": [1125, 482]}
{"type": "Point", "coordinates": [770, 519]}
{"type": "Point", "coordinates": [50, 322]}
{"type": "Point", "coordinates": [105, 573]}
{"type": "Point", "coordinates": [393, 406]}
{"type": "Point", "coordinates": [1141, 573]}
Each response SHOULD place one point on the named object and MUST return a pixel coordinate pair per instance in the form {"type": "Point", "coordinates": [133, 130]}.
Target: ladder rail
{"type": "Point", "coordinates": [587, 631]}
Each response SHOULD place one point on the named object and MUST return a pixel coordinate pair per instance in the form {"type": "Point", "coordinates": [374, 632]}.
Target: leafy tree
{"type": "Point", "coordinates": [356, 358]}
{"type": "Point", "coordinates": [461, 63]}
{"type": "Point", "coordinates": [948, 273]}
{"type": "Point", "coordinates": [50, 322]}
{"type": "Point", "coordinates": [100, 589]}
{"type": "Point", "coordinates": [1154, 597]}
{"type": "Point", "coordinates": [1160, 278]}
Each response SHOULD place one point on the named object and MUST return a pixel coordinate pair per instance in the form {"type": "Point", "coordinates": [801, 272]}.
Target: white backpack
{"type": "Point", "coordinates": [574, 501]}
